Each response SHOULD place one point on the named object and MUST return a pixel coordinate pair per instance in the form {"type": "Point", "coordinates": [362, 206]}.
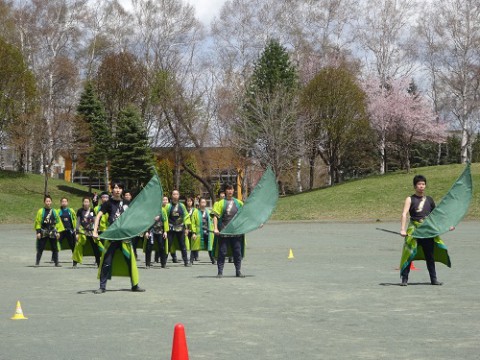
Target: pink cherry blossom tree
{"type": "Point", "coordinates": [404, 114]}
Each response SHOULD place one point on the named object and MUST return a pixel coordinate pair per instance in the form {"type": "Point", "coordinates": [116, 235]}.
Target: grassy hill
{"type": "Point", "coordinates": [21, 195]}
{"type": "Point", "coordinates": [373, 198]}
{"type": "Point", "coordinates": [370, 199]}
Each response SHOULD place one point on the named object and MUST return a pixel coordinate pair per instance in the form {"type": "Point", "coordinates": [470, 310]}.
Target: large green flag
{"type": "Point", "coordinates": [257, 209]}
{"type": "Point", "coordinates": [451, 209]}
{"type": "Point", "coordinates": [139, 216]}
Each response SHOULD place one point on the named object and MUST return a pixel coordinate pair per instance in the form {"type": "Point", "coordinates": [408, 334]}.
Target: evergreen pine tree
{"type": "Point", "coordinates": [98, 139]}
{"type": "Point", "coordinates": [132, 158]}
{"type": "Point", "coordinates": [266, 131]}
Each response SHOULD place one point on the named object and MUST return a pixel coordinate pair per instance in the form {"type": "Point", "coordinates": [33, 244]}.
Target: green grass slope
{"type": "Point", "coordinates": [371, 199]}
{"type": "Point", "coordinates": [21, 195]}
{"type": "Point", "coordinates": [374, 198]}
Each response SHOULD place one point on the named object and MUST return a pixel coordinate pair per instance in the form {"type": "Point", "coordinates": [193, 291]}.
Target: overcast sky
{"type": "Point", "coordinates": [206, 10]}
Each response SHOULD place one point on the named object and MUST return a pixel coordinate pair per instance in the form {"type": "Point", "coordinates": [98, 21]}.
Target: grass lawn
{"type": "Point", "coordinates": [21, 195]}
{"type": "Point", "coordinates": [370, 199]}
{"type": "Point", "coordinates": [373, 198]}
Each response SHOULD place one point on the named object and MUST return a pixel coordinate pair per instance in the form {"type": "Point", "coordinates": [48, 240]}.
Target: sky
{"type": "Point", "coordinates": [205, 10]}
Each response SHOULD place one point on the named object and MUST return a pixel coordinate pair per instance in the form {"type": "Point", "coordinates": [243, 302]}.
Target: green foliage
{"type": "Point", "coordinates": [361, 155]}
{"type": "Point", "coordinates": [453, 148]}
{"type": "Point", "coordinates": [216, 188]}
{"type": "Point", "coordinates": [476, 149]}
{"type": "Point", "coordinates": [96, 134]}
{"type": "Point", "coordinates": [7, 20]}
{"type": "Point", "coordinates": [17, 85]}
{"type": "Point", "coordinates": [266, 129]}
{"type": "Point", "coordinates": [188, 184]}
{"type": "Point", "coordinates": [335, 108]}
{"type": "Point", "coordinates": [272, 71]}
{"type": "Point", "coordinates": [165, 172]}
{"type": "Point", "coordinates": [18, 102]}
{"type": "Point", "coordinates": [163, 89]}
{"type": "Point", "coordinates": [424, 154]}
{"type": "Point", "coordinates": [131, 159]}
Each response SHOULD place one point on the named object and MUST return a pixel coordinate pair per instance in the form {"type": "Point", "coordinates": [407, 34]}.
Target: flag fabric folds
{"type": "Point", "coordinates": [451, 209]}
{"type": "Point", "coordinates": [257, 209]}
{"type": "Point", "coordinates": [139, 216]}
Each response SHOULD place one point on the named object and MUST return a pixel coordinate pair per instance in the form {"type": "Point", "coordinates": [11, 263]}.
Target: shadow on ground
{"type": "Point", "coordinates": [72, 190]}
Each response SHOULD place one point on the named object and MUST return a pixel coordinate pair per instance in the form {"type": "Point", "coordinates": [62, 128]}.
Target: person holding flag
{"type": "Point", "coordinates": [418, 207]}
{"type": "Point", "coordinates": [223, 212]}
{"type": "Point", "coordinates": [115, 207]}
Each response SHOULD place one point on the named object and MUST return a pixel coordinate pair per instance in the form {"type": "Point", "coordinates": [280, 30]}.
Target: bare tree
{"type": "Point", "coordinates": [428, 49]}
{"type": "Point", "coordinates": [49, 32]}
{"type": "Point", "coordinates": [383, 29]}
{"type": "Point", "coordinates": [451, 33]}
{"type": "Point", "coordinates": [272, 141]}
{"type": "Point", "coordinates": [106, 27]}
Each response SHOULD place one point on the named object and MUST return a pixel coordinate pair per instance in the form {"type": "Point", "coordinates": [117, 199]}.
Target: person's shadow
{"type": "Point", "coordinates": [82, 292]}
{"type": "Point", "coordinates": [409, 284]}
{"type": "Point", "coordinates": [223, 277]}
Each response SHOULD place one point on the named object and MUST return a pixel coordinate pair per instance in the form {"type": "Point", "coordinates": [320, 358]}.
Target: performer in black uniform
{"type": "Point", "coordinates": [114, 208]}
{"type": "Point", "coordinates": [418, 206]}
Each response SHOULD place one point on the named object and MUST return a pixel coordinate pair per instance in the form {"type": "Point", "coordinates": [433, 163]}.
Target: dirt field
{"type": "Point", "coordinates": [337, 299]}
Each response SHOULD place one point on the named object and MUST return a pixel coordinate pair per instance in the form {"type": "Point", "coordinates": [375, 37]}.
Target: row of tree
{"type": "Point", "coordinates": [287, 83]}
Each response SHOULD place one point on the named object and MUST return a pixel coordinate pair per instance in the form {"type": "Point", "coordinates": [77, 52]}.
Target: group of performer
{"type": "Point", "coordinates": [186, 227]}
{"type": "Point", "coordinates": [179, 227]}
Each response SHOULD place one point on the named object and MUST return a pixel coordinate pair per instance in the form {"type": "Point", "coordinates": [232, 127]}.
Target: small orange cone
{"type": "Point", "coordinates": [18, 313]}
{"type": "Point", "coordinates": [412, 266]}
{"type": "Point", "coordinates": [290, 254]}
{"type": "Point", "coordinates": [179, 348]}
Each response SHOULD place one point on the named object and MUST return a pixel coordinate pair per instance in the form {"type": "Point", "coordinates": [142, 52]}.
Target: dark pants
{"type": "Point", "coordinates": [180, 236]}
{"type": "Point", "coordinates": [235, 243]}
{"type": "Point", "coordinates": [428, 246]}
{"type": "Point", "coordinates": [41, 243]}
{"type": "Point", "coordinates": [107, 263]}
{"type": "Point", "coordinates": [134, 245]}
{"type": "Point", "coordinates": [96, 250]}
{"type": "Point", "coordinates": [70, 236]}
{"type": "Point", "coordinates": [160, 241]}
{"type": "Point", "coordinates": [193, 253]}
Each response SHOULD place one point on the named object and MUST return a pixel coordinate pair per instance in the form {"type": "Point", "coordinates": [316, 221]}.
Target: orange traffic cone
{"type": "Point", "coordinates": [18, 313]}
{"type": "Point", "coordinates": [412, 266]}
{"type": "Point", "coordinates": [179, 348]}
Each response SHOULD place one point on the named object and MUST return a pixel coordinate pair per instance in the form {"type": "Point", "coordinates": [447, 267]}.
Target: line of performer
{"type": "Point", "coordinates": [180, 227]}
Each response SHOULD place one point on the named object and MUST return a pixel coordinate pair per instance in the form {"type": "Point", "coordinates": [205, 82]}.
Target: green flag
{"type": "Point", "coordinates": [451, 209]}
{"type": "Point", "coordinates": [139, 216]}
{"type": "Point", "coordinates": [257, 209]}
